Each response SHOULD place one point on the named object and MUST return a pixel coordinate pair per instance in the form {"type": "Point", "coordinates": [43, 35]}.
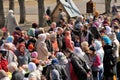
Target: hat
{"type": "Point", "coordinates": [98, 44]}
{"type": "Point", "coordinates": [31, 32]}
{"type": "Point", "coordinates": [42, 37]}
{"type": "Point", "coordinates": [18, 28]}
{"type": "Point", "coordinates": [106, 39]}
{"type": "Point", "coordinates": [54, 61]}
{"type": "Point", "coordinates": [61, 58]}
{"type": "Point", "coordinates": [31, 66]}
{"type": "Point", "coordinates": [34, 54]}
{"type": "Point", "coordinates": [31, 46]}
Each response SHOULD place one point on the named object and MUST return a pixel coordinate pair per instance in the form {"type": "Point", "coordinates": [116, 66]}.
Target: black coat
{"type": "Point", "coordinates": [17, 75]}
{"type": "Point", "coordinates": [59, 68]}
{"type": "Point", "coordinates": [79, 66]}
{"type": "Point", "coordinates": [49, 45]}
{"type": "Point", "coordinates": [109, 61]}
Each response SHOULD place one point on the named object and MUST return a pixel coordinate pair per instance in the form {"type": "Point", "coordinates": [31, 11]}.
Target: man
{"type": "Point", "coordinates": [16, 74]}
{"type": "Point", "coordinates": [80, 68]}
{"type": "Point", "coordinates": [16, 34]}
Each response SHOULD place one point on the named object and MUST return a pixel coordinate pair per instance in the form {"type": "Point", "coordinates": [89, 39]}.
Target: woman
{"type": "Point", "coordinates": [41, 47]}
{"type": "Point", "coordinates": [23, 55]}
{"type": "Point", "coordinates": [95, 62]}
{"type": "Point", "coordinates": [3, 75]}
{"type": "Point", "coordinates": [3, 61]}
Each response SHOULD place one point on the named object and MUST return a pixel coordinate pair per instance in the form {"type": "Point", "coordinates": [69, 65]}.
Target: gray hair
{"type": "Point", "coordinates": [12, 66]}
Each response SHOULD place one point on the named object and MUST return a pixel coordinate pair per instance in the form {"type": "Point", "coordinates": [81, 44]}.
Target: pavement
{"type": "Point", "coordinates": [32, 8]}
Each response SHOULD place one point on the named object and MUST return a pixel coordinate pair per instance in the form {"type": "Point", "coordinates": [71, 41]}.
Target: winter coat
{"type": "Point", "coordinates": [59, 68]}
{"type": "Point", "coordinates": [79, 66]}
{"type": "Point", "coordinates": [49, 45]}
{"type": "Point", "coordinates": [109, 61]}
{"type": "Point", "coordinates": [3, 64]}
{"type": "Point", "coordinates": [41, 47]}
{"type": "Point", "coordinates": [10, 22]}
{"type": "Point", "coordinates": [23, 59]}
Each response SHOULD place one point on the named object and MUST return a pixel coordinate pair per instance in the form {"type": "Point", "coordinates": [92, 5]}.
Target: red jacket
{"type": "Point", "coordinates": [3, 64]}
{"type": "Point", "coordinates": [68, 42]}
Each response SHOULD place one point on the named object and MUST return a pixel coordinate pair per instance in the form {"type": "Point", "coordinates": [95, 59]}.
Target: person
{"type": "Point", "coordinates": [100, 52]}
{"type": "Point", "coordinates": [61, 14]}
{"type": "Point", "coordinates": [53, 27]}
{"type": "Point", "coordinates": [3, 61]}
{"type": "Point", "coordinates": [33, 71]}
{"type": "Point", "coordinates": [10, 21]}
{"type": "Point", "coordinates": [16, 34]}
{"type": "Point", "coordinates": [79, 68]}
{"type": "Point", "coordinates": [23, 55]}
{"type": "Point", "coordinates": [95, 62]}
{"type": "Point", "coordinates": [3, 75]}
{"type": "Point", "coordinates": [16, 74]}
{"type": "Point", "coordinates": [58, 71]}
{"type": "Point", "coordinates": [114, 10]}
{"type": "Point", "coordinates": [41, 47]}
{"type": "Point", "coordinates": [48, 11]}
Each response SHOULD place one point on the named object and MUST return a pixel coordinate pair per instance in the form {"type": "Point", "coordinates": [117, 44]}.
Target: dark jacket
{"type": "Point", "coordinates": [17, 75]}
{"type": "Point", "coordinates": [59, 68]}
{"type": "Point", "coordinates": [49, 45]}
{"type": "Point", "coordinates": [109, 61]}
{"type": "Point", "coordinates": [79, 66]}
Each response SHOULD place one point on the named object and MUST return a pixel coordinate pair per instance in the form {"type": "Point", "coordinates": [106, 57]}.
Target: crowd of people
{"type": "Point", "coordinates": [85, 48]}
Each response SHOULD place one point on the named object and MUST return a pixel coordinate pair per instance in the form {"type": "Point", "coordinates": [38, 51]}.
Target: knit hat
{"type": "Point", "coordinates": [10, 39]}
{"type": "Point", "coordinates": [31, 67]}
{"type": "Point", "coordinates": [34, 54]}
{"type": "Point", "coordinates": [31, 47]}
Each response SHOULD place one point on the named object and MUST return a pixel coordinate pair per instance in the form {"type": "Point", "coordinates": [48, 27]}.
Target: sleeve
{"type": "Point", "coordinates": [64, 73]}
{"type": "Point", "coordinates": [78, 68]}
{"type": "Point", "coordinates": [97, 62]}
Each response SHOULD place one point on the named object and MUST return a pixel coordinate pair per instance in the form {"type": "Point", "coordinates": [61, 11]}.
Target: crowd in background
{"type": "Point", "coordinates": [85, 48]}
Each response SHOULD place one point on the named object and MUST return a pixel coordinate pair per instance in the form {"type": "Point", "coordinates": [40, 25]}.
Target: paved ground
{"type": "Point", "coordinates": [32, 8]}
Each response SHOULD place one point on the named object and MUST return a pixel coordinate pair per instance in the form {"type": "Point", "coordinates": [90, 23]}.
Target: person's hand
{"type": "Point", "coordinates": [88, 74]}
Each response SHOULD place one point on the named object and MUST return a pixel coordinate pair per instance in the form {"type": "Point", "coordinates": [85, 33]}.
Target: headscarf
{"type": "Point", "coordinates": [31, 67]}
{"type": "Point", "coordinates": [10, 39]}
{"type": "Point", "coordinates": [98, 44]}
{"type": "Point", "coordinates": [61, 58]}
{"type": "Point", "coordinates": [42, 37]}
